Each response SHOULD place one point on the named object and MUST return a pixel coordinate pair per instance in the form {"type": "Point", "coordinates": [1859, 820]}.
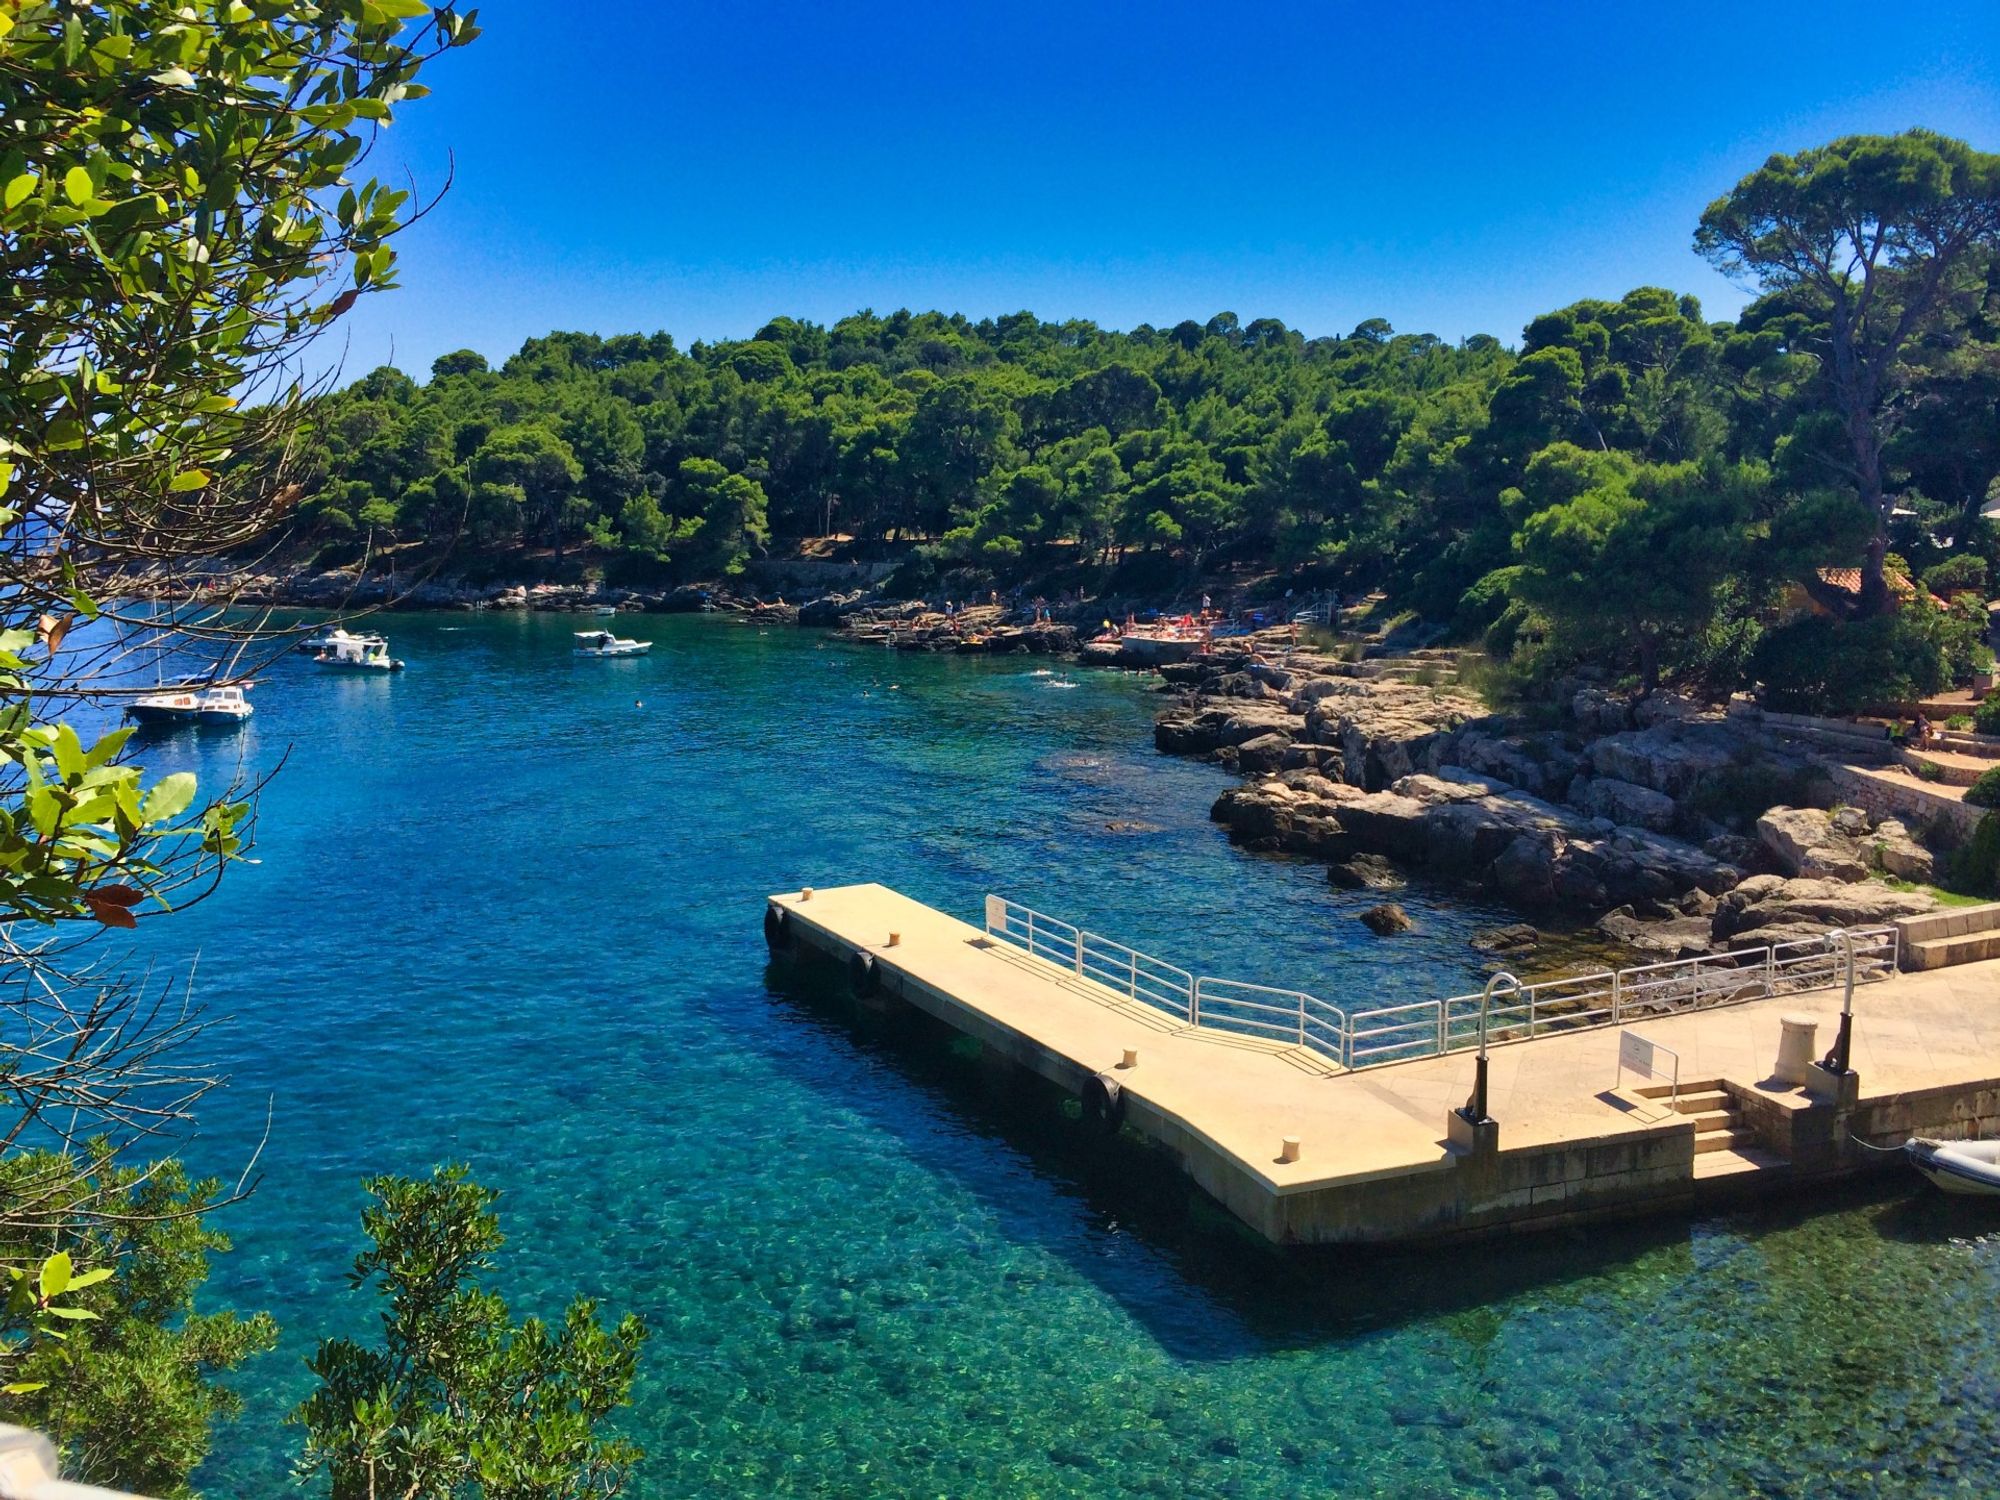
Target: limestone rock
{"type": "Point", "coordinates": [1386, 919]}
{"type": "Point", "coordinates": [1623, 802]}
{"type": "Point", "coordinates": [1515, 937]}
{"type": "Point", "coordinates": [1679, 937]}
{"type": "Point", "coordinates": [1820, 904]}
{"type": "Point", "coordinates": [1891, 849]}
{"type": "Point", "coordinates": [1365, 872]}
{"type": "Point", "coordinates": [1264, 753]}
{"type": "Point", "coordinates": [1789, 833]}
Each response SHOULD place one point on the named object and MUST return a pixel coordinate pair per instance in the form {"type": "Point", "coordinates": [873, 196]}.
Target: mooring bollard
{"type": "Point", "coordinates": [895, 940]}
{"type": "Point", "coordinates": [1131, 1058]}
{"type": "Point", "coordinates": [806, 894]}
{"type": "Point", "coordinates": [1288, 1148]}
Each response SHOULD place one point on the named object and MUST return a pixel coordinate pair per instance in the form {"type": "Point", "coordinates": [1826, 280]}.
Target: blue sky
{"type": "Point", "coordinates": [1454, 168]}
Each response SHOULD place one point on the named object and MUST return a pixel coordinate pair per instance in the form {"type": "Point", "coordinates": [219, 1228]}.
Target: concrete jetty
{"type": "Point", "coordinates": [1308, 1152]}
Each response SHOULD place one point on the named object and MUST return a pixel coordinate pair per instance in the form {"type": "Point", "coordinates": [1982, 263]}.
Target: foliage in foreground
{"type": "Point", "coordinates": [121, 1374]}
{"type": "Point", "coordinates": [181, 213]}
{"type": "Point", "coordinates": [458, 1399]}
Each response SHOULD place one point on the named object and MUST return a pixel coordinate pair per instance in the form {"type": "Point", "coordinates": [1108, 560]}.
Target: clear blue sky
{"type": "Point", "coordinates": [1454, 168]}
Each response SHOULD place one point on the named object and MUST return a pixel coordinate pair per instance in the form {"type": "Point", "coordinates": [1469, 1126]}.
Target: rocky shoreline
{"type": "Point", "coordinates": [1646, 820]}
{"type": "Point", "coordinates": [1642, 820]}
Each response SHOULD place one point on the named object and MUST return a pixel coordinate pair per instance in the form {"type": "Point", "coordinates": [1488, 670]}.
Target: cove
{"type": "Point", "coordinates": [507, 913]}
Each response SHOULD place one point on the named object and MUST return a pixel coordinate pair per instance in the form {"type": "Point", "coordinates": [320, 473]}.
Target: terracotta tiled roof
{"type": "Point", "coordinates": [1848, 581]}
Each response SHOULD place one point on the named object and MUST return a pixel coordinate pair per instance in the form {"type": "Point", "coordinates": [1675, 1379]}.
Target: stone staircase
{"type": "Point", "coordinates": [1956, 935]}
{"type": "Point", "coordinates": [1723, 1145]}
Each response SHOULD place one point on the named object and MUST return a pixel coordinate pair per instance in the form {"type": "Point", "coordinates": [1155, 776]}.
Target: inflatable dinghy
{"type": "Point", "coordinates": [1958, 1166]}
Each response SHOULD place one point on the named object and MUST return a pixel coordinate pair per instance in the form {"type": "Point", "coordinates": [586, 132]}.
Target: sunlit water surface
{"type": "Point", "coordinates": [507, 913]}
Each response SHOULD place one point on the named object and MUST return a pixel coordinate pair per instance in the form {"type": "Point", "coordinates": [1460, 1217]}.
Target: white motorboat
{"type": "Point", "coordinates": [217, 706]}
{"type": "Point", "coordinates": [1969, 1167]}
{"type": "Point", "coordinates": [604, 611]}
{"type": "Point", "coordinates": [604, 643]}
{"type": "Point", "coordinates": [357, 653]}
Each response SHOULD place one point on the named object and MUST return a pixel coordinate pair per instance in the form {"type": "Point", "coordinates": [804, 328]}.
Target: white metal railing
{"type": "Point", "coordinates": [1281, 1015]}
{"type": "Point", "coordinates": [1432, 1028]}
{"type": "Point", "coordinates": [1138, 976]}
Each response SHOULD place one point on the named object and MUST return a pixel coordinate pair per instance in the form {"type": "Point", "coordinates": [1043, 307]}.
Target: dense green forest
{"type": "Point", "coordinates": [1630, 481]}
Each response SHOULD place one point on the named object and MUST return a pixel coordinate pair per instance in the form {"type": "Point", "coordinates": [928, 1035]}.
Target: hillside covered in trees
{"type": "Point", "coordinates": [1630, 482]}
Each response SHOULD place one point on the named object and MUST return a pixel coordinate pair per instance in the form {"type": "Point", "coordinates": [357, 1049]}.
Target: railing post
{"type": "Point", "coordinates": [1617, 996]}
{"type": "Point", "coordinates": [1079, 953]}
{"type": "Point", "coordinates": [1132, 973]}
{"type": "Point", "coordinates": [1194, 1003]}
{"type": "Point", "coordinates": [1302, 1019]}
{"type": "Point", "coordinates": [1444, 1026]}
{"type": "Point", "coordinates": [1770, 970]}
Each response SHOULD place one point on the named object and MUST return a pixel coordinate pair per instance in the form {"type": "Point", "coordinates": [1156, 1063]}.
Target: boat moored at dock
{"type": "Point", "coordinates": [1968, 1168]}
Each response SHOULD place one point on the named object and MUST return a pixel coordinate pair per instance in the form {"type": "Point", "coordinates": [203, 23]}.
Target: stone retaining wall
{"type": "Point", "coordinates": [1925, 809]}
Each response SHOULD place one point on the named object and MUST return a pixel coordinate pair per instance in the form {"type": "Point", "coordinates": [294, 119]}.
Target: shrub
{"type": "Point", "coordinates": [1985, 792]}
{"type": "Point", "coordinates": [1965, 571]}
{"type": "Point", "coordinates": [1975, 868]}
{"type": "Point", "coordinates": [1823, 665]}
{"type": "Point", "coordinates": [1986, 717]}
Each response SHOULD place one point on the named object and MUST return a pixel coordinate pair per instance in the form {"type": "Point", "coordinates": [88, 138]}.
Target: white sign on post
{"type": "Point", "coordinates": [996, 914]}
{"type": "Point", "coordinates": [1643, 1057]}
{"type": "Point", "coordinates": [1636, 1053]}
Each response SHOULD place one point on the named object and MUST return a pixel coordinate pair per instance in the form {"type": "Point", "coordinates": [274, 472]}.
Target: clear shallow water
{"type": "Point", "coordinates": [507, 913]}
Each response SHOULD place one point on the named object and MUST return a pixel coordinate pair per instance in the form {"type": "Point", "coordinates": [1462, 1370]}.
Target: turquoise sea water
{"type": "Point", "coordinates": [507, 912]}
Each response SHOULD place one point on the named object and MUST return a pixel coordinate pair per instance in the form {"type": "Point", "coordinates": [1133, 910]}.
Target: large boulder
{"type": "Point", "coordinates": [1894, 852]}
{"type": "Point", "coordinates": [1266, 752]}
{"type": "Point", "coordinates": [1765, 902]}
{"type": "Point", "coordinates": [1670, 758]}
{"type": "Point", "coordinates": [1623, 802]}
{"type": "Point", "coordinates": [1789, 834]}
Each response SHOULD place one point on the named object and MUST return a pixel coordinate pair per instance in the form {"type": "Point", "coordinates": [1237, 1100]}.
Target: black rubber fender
{"type": "Point", "coordinates": [1103, 1101]}
{"type": "Point", "coordinates": [777, 930]}
{"type": "Point", "coordinates": [863, 976]}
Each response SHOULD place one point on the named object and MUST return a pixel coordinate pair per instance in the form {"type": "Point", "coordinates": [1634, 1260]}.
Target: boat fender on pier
{"type": "Point", "coordinates": [863, 977]}
{"type": "Point", "coordinates": [1103, 1100]}
{"type": "Point", "coordinates": [777, 929]}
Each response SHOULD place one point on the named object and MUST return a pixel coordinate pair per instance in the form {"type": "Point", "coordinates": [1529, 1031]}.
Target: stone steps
{"type": "Point", "coordinates": [1718, 1123]}
{"type": "Point", "coordinates": [1739, 1162]}
{"type": "Point", "coordinates": [1957, 935]}
{"type": "Point", "coordinates": [1727, 1138]}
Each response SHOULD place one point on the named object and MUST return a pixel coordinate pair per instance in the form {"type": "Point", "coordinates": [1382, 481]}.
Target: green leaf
{"type": "Point", "coordinates": [188, 479]}
{"type": "Point", "coordinates": [55, 1274]}
{"type": "Point", "coordinates": [90, 1278]}
{"type": "Point", "coordinates": [77, 186]}
{"type": "Point", "coordinates": [171, 797]}
{"type": "Point", "coordinates": [18, 190]}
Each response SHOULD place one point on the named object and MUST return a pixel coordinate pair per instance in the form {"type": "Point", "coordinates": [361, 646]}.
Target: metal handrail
{"type": "Point", "coordinates": [1433, 1028]}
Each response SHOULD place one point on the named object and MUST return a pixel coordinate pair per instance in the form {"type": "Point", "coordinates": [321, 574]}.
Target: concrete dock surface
{"type": "Point", "coordinates": [1374, 1157]}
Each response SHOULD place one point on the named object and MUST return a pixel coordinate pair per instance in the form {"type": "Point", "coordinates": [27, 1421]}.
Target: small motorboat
{"type": "Point", "coordinates": [357, 653]}
{"type": "Point", "coordinates": [1969, 1167]}
{"type": "Point", "coordinates": [604, 643]}
{"type": "Point", "coordinates": [222, 707]}
{"type": "Point", "coordinates": [604, 611]}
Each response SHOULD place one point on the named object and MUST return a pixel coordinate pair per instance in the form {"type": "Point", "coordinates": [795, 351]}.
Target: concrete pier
{"type": "Point", "coordinates": [1305, 1152]}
